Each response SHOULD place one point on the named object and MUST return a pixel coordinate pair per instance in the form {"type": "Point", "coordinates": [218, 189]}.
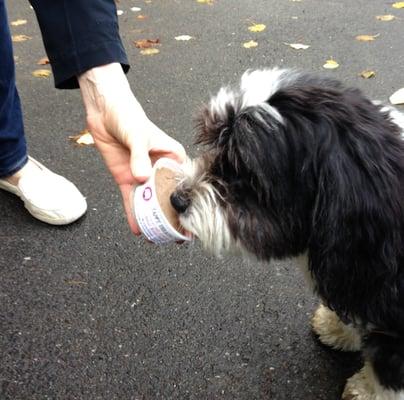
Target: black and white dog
{"type": "Point", "coordinates": [298, 165]}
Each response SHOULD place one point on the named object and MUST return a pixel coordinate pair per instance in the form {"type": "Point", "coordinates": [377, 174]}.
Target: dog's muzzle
{"type": "Point", "coordinates": [180, 201]}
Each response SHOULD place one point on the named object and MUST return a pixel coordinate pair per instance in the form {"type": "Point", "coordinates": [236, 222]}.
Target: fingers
{"type": "Point", "coordinates": [126, 191]}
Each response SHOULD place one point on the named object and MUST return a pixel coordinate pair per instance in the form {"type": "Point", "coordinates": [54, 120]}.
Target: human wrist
{"type": "Point", "coordinates": [105, 84]}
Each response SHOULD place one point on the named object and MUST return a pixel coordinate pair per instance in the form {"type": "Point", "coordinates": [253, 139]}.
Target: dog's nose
{"type": "Point", "coordinates": [180, 201]}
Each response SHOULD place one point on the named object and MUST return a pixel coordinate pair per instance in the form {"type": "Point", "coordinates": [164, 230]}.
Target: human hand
{"type": "Point", "coordinates": [128, 141]}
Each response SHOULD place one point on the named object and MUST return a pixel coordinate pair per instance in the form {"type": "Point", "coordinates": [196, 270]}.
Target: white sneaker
{"type": "Point", "coordinates": [47, 196]}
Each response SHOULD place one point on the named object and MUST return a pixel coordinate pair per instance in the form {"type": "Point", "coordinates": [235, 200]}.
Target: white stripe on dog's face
{"type": "Point", "coordinates": [205, 216]}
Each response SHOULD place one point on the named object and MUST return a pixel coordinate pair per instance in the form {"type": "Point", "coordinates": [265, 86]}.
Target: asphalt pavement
{"type": "Point", "coordinates": [88, 311]}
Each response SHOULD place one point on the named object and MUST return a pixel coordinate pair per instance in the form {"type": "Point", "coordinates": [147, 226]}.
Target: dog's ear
{"type": "Point", "coordinates": [242, 138]}
{"type": "Point", "coordinates": [215, 120]}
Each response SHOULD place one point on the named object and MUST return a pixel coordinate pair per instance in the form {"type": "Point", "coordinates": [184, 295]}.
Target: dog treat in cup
{"type": "Point", "coordinates": [152, 207]}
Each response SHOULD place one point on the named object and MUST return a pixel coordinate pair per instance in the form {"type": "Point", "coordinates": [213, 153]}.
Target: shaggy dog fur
{"type": "Point", "coordinates": [301, 165]}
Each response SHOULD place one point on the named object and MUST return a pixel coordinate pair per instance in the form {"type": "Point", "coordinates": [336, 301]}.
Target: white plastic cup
{"type": "Point", "coordinates": [147, 211]}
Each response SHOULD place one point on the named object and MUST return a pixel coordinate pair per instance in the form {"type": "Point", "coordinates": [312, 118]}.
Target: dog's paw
{"type": "Point", "coordinates": [358, 387]}
{"type": "Point", "coordinates": [365, 386]}
{"type": "Point", "coordinates": [333, 332]}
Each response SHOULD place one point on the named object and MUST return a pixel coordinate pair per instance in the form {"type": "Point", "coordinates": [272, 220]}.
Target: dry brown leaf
{"type": "Point", "coordinates": [397, 97]}
{"type": "Point", "coordinates": [149, 52]}
{"type": "Point", "coordinates": [146, 43]}
{"type": "Point", "coordinates": [141, 16]}
{"type": "Point", "coordinates": [20, 38]}
{"type": "Point", "coordinates": [43, 61]}
{"type": "Point", "coordinates": [19, 22]}
{"type": "Point", "coordinates": [385, 18]}
{"type": "Point", "coordinates": [367, 38]}
{"type": "Point", "coordinates": [84, 138]}
{"type": "Point", "coordinates": [250, 44]}
{"type": "Point", "coordinates": [331, 64]}
{"type": "Point", "coordinates": [399, 4]}
{"type": "Point", "coordinates": [257, 27]}
{"type": "Point", "coordinates": [42, 73]}
{"type": "Point", "coordinates": [367, 74]}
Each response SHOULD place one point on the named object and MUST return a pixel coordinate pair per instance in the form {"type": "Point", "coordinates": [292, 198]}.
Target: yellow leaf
{"type": "Point", "coordinates": [387, 17]}
{"type": "Point", "coordinates": [257, 28]}
{"type": "Point", "coordinates": [20, 38]}
{"type": "Point", "coordinates": [367, 38]}
{"type": "Point", "coordinates": [41, 73]}
{"type": "Point", "coordinates": [210, 2]}
{"type": "Point", "coordinates": [149, 52]}
{"type": "Point", "coordinates": [397, 97]}
{"type": "Point", "coordinates": [298, 46]}
{"type": "Point", "coordinates": [84, 138]}
{"type": "Point", "coordinates": [19, 22]}
{"type": "Point", "coordinates": [250, 44]}
{"type": "Point", "coordinates": [331, 64]}
{"type": "Point", "coordinates": [399, 4]}
{"type": "Point", "coordinates": [367, 74]}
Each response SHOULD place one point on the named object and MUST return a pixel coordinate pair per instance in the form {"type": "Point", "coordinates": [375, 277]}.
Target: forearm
{"type": "Point", "coordinates": [79, 35]}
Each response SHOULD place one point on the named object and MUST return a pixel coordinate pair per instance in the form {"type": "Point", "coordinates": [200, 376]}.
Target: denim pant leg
{"type": "Point", "coordinates": [13, 149]}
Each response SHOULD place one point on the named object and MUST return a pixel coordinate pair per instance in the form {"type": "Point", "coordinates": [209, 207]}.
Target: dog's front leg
{"type": "Point", "coordinates": [333, 332]}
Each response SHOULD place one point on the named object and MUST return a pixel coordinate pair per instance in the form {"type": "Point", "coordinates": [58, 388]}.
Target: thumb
{"type": "Point", "coordinates": [140, 163]}
{"type": "Point", "coordinates": [166, 145]}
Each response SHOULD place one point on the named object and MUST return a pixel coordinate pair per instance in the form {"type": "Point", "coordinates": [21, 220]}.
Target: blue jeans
{"type": "Point", "coordinates": [78, 35]}
{"type": "Point", "coordinates": [13, 148]}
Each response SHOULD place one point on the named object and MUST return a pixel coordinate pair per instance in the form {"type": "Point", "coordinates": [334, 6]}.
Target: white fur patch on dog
{"type": "Point", "coordinates": [365, 386]}
{"type": "Point", "coordinates": [333, 332]}
{"type": "Point", "coordinates": [256, 88]}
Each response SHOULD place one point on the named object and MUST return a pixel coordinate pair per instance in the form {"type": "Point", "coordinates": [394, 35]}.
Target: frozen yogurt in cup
{"type": "Point", "coordinates": [151, 204]}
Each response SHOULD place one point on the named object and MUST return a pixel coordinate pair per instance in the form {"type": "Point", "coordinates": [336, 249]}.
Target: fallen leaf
{"type": "Point", "coordinates": [387, 17]}
{"type": "Point", "coordinates": [135, 9]}
{"type": "Point", "coordinates": [399, 4]}
{"type": "Point", "coordinates": [43, 61]}
{"type": "Point", "coordinates": [184, 37]}
{"type": "Point", "coordinates": [41, 73]}
{"type": "Point", "coordinates": [146, 43]}
{"type": "Point", "coordinates": [298, 46]}
{"type": "Point", "coordinates": [250, 44]}
{"type": "Point", "coordinates": [142, 16]}
{"type": "Point", "coordinates": [257, 27]}
{"type": "Point", "coordinates": [331, 64]}
{"type": "Point", "coordinates": [210, 2]}
{"type": "Point", "coordinates": [19, 22]}
{"type": "Point", "coordinates": [84, 138]}
{"type": "Point", "coordinates": [367, 38]}
{"type": "Point", "coordinates": [149, 52]}
{"type": "Point", "coordinates": [397, 97]}
{"type": "Point", "coordinates": [20, 38]}
{"type": "Point", "coordinates": [367, 74]}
